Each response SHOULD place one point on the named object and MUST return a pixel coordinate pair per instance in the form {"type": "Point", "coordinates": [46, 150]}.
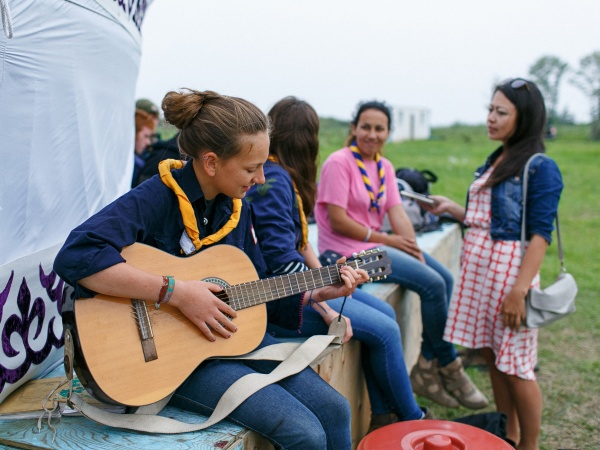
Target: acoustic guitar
{"type": "Point", "coordinates": [128, 352]}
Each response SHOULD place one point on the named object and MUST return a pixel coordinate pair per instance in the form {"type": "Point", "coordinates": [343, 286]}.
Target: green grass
{"type": "Point", "coordinates": [569, 356]}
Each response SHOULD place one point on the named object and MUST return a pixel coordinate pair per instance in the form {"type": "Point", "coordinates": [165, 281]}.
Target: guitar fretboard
{"type": "Point", "coordinates": [253, 293]}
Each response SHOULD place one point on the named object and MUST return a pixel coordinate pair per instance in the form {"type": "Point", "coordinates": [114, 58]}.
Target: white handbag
{"type": "Point", "coordinates": [544, 306]}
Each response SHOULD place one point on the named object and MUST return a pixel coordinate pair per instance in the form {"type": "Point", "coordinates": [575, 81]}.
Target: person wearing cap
{"type": "Point", "coordinates": [149, 108]}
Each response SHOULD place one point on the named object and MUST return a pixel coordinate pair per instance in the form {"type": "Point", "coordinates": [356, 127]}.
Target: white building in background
{"type": "Point", "coordinates": [410, 123]}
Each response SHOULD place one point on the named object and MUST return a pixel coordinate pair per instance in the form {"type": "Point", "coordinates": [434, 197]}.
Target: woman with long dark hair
{"type": "Point", "coordinates": [357, 189]}
{"type": "Point", "coordinates": [281, 206]}
{"type": "Point", "coordinates": [189, 208]}
{"type": "Point", "coordinates": [488, 308]}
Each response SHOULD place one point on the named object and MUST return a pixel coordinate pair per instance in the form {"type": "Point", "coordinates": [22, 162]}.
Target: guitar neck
{"type": "Point", "coordinates": [253, 293]}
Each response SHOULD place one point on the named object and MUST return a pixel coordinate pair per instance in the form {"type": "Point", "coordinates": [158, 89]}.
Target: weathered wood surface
{"type": "Point", "coordinates": [79, 433]}
{"type": "Point", "coordinates": [342, 370]}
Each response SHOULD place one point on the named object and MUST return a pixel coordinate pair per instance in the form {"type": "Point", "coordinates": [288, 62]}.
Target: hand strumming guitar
{"type": "Point", "coordinates": [196, 300]}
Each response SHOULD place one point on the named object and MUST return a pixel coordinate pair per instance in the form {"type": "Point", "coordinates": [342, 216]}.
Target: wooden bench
{"type": "Point", "coordinates": [341, 369]}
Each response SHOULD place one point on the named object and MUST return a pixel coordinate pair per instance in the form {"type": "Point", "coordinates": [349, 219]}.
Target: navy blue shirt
{"type": "Point", "coordinates": [150, 214]}
{"type": "Point", "coordinates": [278, 227]}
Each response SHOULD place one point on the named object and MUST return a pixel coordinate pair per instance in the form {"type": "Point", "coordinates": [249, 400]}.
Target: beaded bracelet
{"type": "Point", "coordinates": [166, 291]}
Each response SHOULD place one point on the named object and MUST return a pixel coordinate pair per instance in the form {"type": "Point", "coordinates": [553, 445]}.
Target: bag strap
{"type": "Point", "coordinates": [295, 358]}
{"type": "Point", "coordinates": [523, 233]}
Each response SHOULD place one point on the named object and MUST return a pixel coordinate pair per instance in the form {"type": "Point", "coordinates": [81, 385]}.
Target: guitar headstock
{"type": "Point", "coordinates": [375, 262]}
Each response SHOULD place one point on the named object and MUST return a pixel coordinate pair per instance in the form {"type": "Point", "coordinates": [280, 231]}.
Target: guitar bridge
{"type": "Point", "coordinates": [144, 326]}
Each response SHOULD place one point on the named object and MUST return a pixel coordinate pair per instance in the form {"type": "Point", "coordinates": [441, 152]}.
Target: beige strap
{"type": "Point", "coordinates": [295, 358]}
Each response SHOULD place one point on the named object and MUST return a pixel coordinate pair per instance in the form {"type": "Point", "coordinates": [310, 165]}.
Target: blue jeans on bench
{"type": "Point", "coordinates": [433, 282]}
{"type": "Point", "coordinates": [298, 412]}
{"type": "Point", "coordinates": [374, 325]}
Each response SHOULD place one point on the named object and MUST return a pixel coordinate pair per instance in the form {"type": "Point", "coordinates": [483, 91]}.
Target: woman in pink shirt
{"type": "Point", "coordinates": [356, 190]}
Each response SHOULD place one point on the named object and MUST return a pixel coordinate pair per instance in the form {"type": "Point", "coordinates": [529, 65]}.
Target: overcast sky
{"type": "Point", "coordinates": [442, 55]}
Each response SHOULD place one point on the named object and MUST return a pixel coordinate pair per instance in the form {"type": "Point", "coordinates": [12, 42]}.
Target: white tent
{"type": "Point", "coordinates": [67, 87]}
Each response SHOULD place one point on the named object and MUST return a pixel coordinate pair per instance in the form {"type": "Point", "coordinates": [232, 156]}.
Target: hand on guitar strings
{"type": "Point", "coordinates": [351, 279]}
{"type": "Point", "coordinates": [196, 301]}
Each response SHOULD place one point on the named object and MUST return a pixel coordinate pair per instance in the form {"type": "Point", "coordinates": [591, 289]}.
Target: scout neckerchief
{"type": "Point", "coordinates": [303, 221]}
{"type": "Point", "coordinates": [187, 212]}
{"type": "Point", "coordinates": [365, 176]}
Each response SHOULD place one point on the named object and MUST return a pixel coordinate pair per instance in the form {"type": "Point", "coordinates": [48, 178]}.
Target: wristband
{"type": "Point", "coordinates": [166, 291]}
{"type": "Point", "coordinates": [368, 236]}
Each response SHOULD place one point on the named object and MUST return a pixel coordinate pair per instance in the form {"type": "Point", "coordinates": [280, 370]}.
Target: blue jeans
{"type": "Point", "coordinates": [374, 325]}
{"type": "Point", "coordinates": [299, 412]}
{"type": "Point", "coordinates": [433, 282]}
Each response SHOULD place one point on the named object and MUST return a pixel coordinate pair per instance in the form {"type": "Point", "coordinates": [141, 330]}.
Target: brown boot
{"type": "Point", "coordinates": [381, 420]}
{"type": "Point", "coordinates": [427, 382]}
{"type": "Point", "coordinates": [458, 383]}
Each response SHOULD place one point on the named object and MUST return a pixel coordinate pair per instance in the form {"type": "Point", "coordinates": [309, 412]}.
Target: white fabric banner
{"type": "Point", "coordinates": [67, 100]}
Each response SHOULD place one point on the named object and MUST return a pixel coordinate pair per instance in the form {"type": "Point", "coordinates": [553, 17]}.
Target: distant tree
{"type": "Point", "coordinates": [565, 117]}
{"type": "Point", "coordinates": [547, 73]}
{"type": "Point", "coordinates": [587, 78]}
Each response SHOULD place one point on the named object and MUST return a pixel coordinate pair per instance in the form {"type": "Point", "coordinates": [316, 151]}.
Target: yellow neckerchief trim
{"type": "Point", "coordinates": [187, 212]}
{"type": "Point", "coordinates": [303, 221]}
{"type": "Point", "coordinates": [375, 199]}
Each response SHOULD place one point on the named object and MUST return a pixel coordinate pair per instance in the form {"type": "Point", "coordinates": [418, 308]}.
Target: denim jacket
{"type": "Point", "coordinates": [545, 187]}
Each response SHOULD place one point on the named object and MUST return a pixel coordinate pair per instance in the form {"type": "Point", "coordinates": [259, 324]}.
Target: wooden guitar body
{"type": "Point", "coordinates": [107, 333]}
{"type": "Point", "coordinates": [128, 352]}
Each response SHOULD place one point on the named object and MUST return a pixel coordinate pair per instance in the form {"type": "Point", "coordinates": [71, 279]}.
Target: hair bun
{"type": "Point", "coordinates": [180, 108]}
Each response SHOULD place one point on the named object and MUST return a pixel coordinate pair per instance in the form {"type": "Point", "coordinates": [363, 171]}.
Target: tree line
{"type": "Point", "coordinates": [548, 72]}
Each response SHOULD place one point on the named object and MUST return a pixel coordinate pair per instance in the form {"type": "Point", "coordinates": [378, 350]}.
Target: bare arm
{"type": "Point", "coordinates": [513, 305]}
{"type": "Point", "coordinates": [445, 205]}
{"type": "Point", "coordinates": [310, 257]}
{"type": "Point", "coordinates": [403, 238]}
{"type": "Point", "coordinates": [343, 224]}
{"type": "Point", "coordinates": [194, 299]}
{"type": "Point", "coordinates": [325, 311]}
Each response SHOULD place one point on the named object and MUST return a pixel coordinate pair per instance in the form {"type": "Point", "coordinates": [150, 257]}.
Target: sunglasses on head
{"type": "Point", "coordinates": [515, 83]}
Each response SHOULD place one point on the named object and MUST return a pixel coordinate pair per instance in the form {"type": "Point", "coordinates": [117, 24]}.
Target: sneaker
{"type": "Point", "coordinates": [426, 381]}
{"type": "Point", "coordinates": [457, 382]}
{"type": "Point", "coordinates": [427, 414]}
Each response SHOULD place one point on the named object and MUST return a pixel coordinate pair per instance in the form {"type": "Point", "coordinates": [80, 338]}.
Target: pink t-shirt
{"type": "Point", "coordinates": [341, 184]}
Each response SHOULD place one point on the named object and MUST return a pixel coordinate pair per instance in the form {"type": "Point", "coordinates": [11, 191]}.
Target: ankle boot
{"type": "Point", "coordinates": [458, 383]}
{"type": "Point", "coordinates": [381, 420]}
{"type": "Point", "coordinates": [427, 382]}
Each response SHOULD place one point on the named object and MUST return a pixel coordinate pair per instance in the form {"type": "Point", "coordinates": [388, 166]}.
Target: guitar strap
{"type": "Point", "coordinates": [294, 358]}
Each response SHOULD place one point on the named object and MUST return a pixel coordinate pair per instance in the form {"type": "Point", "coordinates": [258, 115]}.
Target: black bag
{"type": "Point", "coordinates": [329, 257]}
{"type": "Point", "coordinates": [419, 180]}
{"type": "Point", "coordinates": [414, 180]}
{"type": "Point", "coordinates": [492, 422]}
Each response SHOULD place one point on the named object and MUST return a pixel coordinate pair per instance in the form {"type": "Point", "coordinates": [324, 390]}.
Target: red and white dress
{"type": "Point", "coordinates": [488, 271]}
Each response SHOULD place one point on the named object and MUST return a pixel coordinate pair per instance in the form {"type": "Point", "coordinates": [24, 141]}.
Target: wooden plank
{"type": "Point", "coordinates": [342, 369]}
{"type": "Point", "coordinates": [76, 433]}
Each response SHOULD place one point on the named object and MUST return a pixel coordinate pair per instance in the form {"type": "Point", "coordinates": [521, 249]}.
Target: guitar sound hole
{"type": "Point", "coordinates": [223, 294]}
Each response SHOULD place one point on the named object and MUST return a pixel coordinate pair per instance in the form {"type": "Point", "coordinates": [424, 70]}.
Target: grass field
{"type": "Point", "coordinates": [569, 356]}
